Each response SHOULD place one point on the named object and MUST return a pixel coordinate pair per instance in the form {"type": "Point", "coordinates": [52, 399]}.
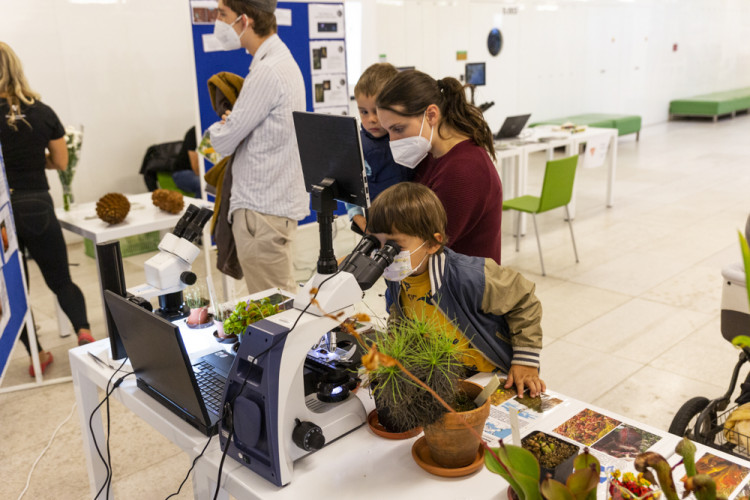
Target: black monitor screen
{"type": "Point", "coordinates": [475, 73]}
{"type": "Point", "coordinates": [330, 147]}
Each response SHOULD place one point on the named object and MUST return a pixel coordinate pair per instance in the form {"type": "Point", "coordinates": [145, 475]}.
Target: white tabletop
{"type": "Point", "coordinates": [143, 217]}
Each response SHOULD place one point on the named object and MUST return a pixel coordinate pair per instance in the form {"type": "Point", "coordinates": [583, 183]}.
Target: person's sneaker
{"type": "Point", "coordinates": [85, 338]}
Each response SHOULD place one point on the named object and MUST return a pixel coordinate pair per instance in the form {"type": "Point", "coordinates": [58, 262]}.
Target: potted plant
{"type": "Point", "coordinates": [520, 468]}
{"type": "Point", "coordinates": [426, 363]}
{"type": "Point", "coordinates": [195, 299]}
{"type": "Point", "coordinates": [247, 313]}
{"type": "Point", "coordinates": [554, 455]}
{"type": "Point", "coordinates": [221, 314]}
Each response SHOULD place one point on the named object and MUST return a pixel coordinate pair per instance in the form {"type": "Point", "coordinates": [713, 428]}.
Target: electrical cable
{"type": "Point", "coordinates": [49, 443]}
{"type": "Point", "coordinates": [195, 460]}
{"type": "Point", "coordinates": [91, 418]}
{"type": "Point", "coordinates": [229, 405]}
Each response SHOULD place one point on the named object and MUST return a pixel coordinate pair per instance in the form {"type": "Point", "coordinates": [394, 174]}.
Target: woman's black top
{"type": "Point", "coordinates": [24, 149]}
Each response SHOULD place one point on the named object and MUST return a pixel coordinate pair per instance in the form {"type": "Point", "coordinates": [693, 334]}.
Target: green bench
{"type": "Point", "coordinates": [625, 124]}
{"type": "Point", "coordinates": [713, 105]}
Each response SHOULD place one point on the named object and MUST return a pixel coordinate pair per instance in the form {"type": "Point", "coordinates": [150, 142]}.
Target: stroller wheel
{"type": "Point", "coordinates": [685, 418]}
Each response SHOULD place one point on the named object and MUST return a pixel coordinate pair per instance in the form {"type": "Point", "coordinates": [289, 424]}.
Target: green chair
{"type": "Point", "coordinates": [165, 181]}
{"type": "Point", "coordinates": [557, 190]}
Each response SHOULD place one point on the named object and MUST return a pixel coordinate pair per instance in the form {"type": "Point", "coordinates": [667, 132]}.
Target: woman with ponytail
{"type": "Point", "coordinates": [33, 139]}
{"type": "Point", "coordinates": [434, 130]}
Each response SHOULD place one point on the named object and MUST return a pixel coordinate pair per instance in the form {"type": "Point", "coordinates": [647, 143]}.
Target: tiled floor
{"type": "Point", "coordinates": [634, 327]}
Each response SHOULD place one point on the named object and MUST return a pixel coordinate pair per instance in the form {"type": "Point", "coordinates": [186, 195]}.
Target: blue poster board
{"type": "Point", "coordinates": [13, 301]}
{"type": "Point", "coordinates": [296, 36]}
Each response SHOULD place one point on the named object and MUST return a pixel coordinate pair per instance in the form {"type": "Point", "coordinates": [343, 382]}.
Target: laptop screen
{"type": "Point", "coordinates": [157, 354]}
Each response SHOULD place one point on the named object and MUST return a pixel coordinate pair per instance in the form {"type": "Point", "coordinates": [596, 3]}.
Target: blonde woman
{"type": "Point", "coordinates": [32, 140]}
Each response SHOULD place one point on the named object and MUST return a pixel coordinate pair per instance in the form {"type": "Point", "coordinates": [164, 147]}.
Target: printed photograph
{"type": "Point", "coordinates": [587, 427]}
{"type": "Point", "coordinates": [626, 442]}
{"type": "Point", "coordinates": [502, 395]}
{"type": "Point", "coordinates": [726, 474]}
{"type": "Point", "coordinates": [539, 404]}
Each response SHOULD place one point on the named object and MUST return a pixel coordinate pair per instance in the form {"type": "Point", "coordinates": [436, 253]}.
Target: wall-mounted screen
{"type": "Point", "coordinates": [475, 73]}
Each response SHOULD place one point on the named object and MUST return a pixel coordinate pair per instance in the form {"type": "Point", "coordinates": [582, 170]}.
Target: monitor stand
{"type": "Point", "coordinates": [324, 204]}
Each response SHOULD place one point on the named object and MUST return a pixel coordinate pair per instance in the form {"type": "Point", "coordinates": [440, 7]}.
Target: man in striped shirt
{"type": "Point", "coordinates": [268, 190]}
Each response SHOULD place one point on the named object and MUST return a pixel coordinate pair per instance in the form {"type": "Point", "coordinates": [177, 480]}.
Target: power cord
{"type": "Point", "coordinates": [108, 392]}
{"type": "Point", "coordinates": [195, 460]}
{"type": "Point", "coordinates": [228, 406]}
{"type": "Point", "coordinates": [33, 466]}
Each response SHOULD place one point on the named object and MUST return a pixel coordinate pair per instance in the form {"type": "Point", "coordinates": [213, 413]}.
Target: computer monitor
{"type": "Point", "coordinates": [475, 73]}
{"type": "Point", "coordinates": [330, 147]}
{"type": "Point", "coordinates": [333, 167]}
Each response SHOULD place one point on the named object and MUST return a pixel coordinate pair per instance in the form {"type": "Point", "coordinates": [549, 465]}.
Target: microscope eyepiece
{"type": "Point", "coordinates": [389, 251]}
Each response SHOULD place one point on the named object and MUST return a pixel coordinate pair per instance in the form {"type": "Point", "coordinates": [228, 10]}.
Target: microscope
{"type": "Point", "coordinates": [168, 273]}
{"type": "Point", "coordinates": [272, 414]}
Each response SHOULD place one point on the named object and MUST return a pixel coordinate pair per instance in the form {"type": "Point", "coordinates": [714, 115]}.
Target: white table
{"type": "Point", "coordinates": [358, 465]}
{"type": "Point", "coordinates": [514, 175]}
{"type": "Point", "coordinates": [143, 217]}
{"type": "Point", "coordinates": [362, 465]}
{"type": "Point", "coordinates": [88, 376]}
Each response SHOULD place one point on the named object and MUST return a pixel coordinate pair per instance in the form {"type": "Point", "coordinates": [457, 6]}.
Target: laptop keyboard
{"type": "Point", "coordinates": [211, 385]}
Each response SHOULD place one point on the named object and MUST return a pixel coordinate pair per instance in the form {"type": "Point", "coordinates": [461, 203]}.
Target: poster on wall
{"type": "Point", "coordinates": [204, 11]}
{"type": "Point", "coordinates": [9, 241]}
{"type": "Point", "coordinates": [330, 90]}
{"type": "Point", "coordinates": [327, 57]}
{"type": "Point", "coordinates": [336, 110]}
{"type": "Point", "coordinates": [326, 20]}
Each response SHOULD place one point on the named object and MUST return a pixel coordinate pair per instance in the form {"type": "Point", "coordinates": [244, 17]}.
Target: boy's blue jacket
{"type": "Point", "coordinates": [494, 306]}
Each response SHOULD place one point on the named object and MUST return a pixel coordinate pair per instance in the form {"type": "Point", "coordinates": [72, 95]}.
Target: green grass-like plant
{"type": "Point", "coordinates": [425, 346]}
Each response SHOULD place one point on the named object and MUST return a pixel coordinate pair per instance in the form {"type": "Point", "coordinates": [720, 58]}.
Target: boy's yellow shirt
{"type": "Point", "coordinates": [415, 291]}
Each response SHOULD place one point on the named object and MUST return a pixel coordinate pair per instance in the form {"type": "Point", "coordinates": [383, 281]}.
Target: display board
{"type": "Point", "coordinates": [13, 301]}
{"type": "Point", "coordinates": [314, 34]}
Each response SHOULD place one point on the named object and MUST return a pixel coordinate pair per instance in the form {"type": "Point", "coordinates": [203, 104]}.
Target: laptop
{"type": "Point", "coordinates": [512, 126]}
{"type": "Point", "coordinates": [192, 389]}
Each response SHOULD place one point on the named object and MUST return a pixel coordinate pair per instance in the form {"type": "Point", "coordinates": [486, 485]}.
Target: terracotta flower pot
{"type": "Point", "coordinates": [451, 444]}
{"type": "Point", "coordinates": [198, 316]}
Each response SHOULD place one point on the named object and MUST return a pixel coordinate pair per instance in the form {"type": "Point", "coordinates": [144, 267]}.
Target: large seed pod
{"type": "Point", "coordinates": [169, 201]}
{"type": "Point", "coordinates": [112, 208]}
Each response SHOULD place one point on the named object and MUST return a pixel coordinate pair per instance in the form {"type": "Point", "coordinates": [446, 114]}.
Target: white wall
{"type": "Point", "coordinates": [571, 56]}
{"type": "Point", "coordinates": [122, 68]}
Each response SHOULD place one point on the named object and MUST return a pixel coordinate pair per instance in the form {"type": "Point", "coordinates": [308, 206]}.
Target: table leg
{"type": "Point", "coordinates": [507, 177]}
{"type": "Point", "coordinates": [204, 481]}
{"type": "Point", "coordinates": [612, 171]}
{"type": "Point", "coordinates": [571, 149]}
{"type": "Point", "coordinates": [519, 189]}
{"type": "Point", "coordinates": [87, 397]}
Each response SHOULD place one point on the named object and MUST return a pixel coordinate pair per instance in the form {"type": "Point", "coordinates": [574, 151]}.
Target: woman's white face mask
{"type": "Point", "coordinates": [227, 37]}
{"type": "Point", "coordinates": [401, 268]}
{"type": "Point", "coordinates": [409, 151]}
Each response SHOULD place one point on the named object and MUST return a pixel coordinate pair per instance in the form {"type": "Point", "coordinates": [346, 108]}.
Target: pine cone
{"type": "Point", "coordinates": [112, 208]}
{"type": "Point", "coordinates": [167, 200]}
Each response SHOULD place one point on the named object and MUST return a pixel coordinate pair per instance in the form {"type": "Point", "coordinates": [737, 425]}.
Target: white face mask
{"type": "Point", "coordinates": [227, 37]}
{"type": "Point", "coordinates": [401, 268]}
{"type": "Point", "coordinates": [409, 151]}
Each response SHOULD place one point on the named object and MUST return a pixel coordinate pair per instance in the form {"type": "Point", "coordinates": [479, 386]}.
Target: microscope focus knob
{"type": "Point", "coordinates": [308, 436]}
{"type": "Point", "coordinates": [188, 277]}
